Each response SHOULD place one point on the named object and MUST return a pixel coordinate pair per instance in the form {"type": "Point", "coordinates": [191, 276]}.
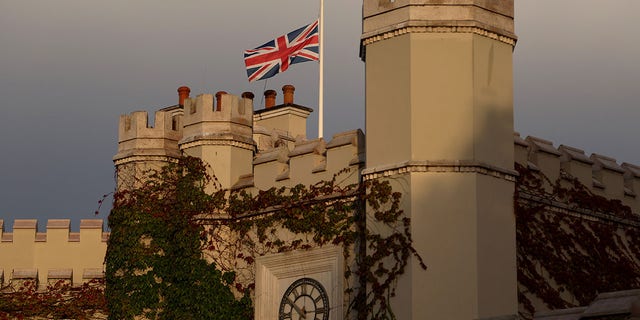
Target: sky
{"type": "Point", "coordinates": [69, 68]}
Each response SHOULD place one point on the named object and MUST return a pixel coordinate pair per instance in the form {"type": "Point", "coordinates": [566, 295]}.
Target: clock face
{"type": "Point", "coordinates": [305, 299]}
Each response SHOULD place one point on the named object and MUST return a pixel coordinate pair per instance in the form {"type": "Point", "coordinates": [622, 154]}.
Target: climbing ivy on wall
{"type": "Point", "coordinates": [58, 301]}
{"type": "Point", "coordinates": [572, 244]}
{"type": "Point", "coordinates": [155, 266]}
{"type": "Point", "coordinates": [163, 231]}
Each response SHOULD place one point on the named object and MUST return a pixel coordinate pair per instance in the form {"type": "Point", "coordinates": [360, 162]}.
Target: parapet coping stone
{"type": "Point", "coordinates": [91, 224]}
{"type": "Point", "coordinates": [62, 273]}
{"type": "Point", "coordinates": [58, 224]}
{"type": "Point", "coordinates": [562, 314]}
{"type": "Point", "coordinates": [606, 162]}
{"type": "Point", "coordinates": [633, 169]}
{"type": "Point", "coordinates": [280, 154]}
{"type": "Point", "coordinates": [572, 153]}
{"type": "Point", "coordinates": [25, 224]}
{"type": "Point", "coordinates": [344, 138]}
{"type": "Point", "coordinates": [74, 236]}
{"type": "Point", "coordinates": [609, 303]}
{"type": "Point", "coordinates": [41, 237]}
{"type": "Point", "coordinates": [517, 139]}
{"type": "Point", "coordinates": [543, 145]}
{"type": "Point", "coordinates": [244, 181]}
{"type": "Point", "coordinates": [316, 146]}
{"type": "Point", "coordinates": [92, 273]}
{"type": "Point", "coordinates": [25, 273]}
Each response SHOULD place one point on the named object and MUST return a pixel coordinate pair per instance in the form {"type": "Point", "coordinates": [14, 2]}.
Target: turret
{"type": "Point", "coordinates": [220, 132]}
{"type": "Point", "coordinates": [439, 124]}
{"type": "Point", "coordinates": [142, 147]}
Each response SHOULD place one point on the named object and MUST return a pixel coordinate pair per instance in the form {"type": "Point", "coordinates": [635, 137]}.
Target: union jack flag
{"type": "Point", "coordinates": [276, 55]}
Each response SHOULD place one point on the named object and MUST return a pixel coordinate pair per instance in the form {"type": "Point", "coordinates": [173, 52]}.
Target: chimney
{"type": "Point", "coordinates": [219, 100]}
{"type": "Point", "coordinates": [269, 98]}
{"type": "Point", "coordinates": [247, 95]}
{"type": "Point", "coordinates": [183, 93]}
{"type": "Point", "coordinates": [287, 91]}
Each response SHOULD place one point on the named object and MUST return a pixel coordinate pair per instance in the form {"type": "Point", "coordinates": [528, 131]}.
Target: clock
{"type": "Point", "coordinates": [305, 299]}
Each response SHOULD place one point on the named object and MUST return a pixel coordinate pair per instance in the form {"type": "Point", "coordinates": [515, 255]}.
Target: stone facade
{"type": "Point", "coordinates": [439, 115]}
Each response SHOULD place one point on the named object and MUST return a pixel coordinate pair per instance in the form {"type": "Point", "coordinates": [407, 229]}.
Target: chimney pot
{"type": "Point", "coordinates": [219, 100]}
{"type": "Point", "coordinates": [287, 91]}
{"type": "Point", "coordinates": [270, 98]}
{"type": "Point", "coordinates": [183, 93]}
{"type": "Point", "coordinates": [248, 95]}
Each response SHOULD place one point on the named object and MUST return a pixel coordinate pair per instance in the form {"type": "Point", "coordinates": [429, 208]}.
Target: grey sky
{"type": "Point", "coordinates": [69, 68]}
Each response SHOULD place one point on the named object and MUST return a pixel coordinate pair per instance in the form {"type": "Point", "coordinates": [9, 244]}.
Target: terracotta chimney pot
{"type": "Point", "coordinates": [287, 91]}
{"type": "Point", "coordinates": [219, 100]}
{"type": "Point", "coordinates": [248, 95]}
{"type": "Point", "coordinates": [270, 98]}
{"type": "Point", "coordinates": [183, 93]}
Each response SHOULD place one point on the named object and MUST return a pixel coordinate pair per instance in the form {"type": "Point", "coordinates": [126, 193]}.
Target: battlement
{"type": "Point", "coordinates": [57, 253]}
{"type": "Point", "coordinates": [137, 138]}
{"type": "Point", "coordinates": [308, 162]}
{"type": "Point", "coordinates": [230, 117]}
{"type": "Point", "coordinates": [601, 174]}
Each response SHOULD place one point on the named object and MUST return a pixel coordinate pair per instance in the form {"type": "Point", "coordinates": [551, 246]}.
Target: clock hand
{"type": "Point", "coordinates": [301, 312]}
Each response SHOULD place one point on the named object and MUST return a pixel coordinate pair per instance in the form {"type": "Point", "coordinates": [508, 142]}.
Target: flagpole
{"type": "Point", "coordinates": [321, 76]}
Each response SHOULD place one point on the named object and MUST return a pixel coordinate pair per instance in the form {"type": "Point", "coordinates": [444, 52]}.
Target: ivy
{"type": "Point", "coordinates": [155, 268]}
{"type": "Point", "coordinates": [566, 257]}
{"type": "Point", "coordinates": [58, 301]}
{"type": "Point", "coordinates": [176, 251]}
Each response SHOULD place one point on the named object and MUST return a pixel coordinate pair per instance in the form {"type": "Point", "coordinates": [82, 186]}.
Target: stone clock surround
{"type": "Point", "coordinates": [276, 272]}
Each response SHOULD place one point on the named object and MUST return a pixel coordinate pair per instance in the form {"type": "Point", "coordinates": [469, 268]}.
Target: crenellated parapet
{"type": "Point", "coordinates": [57, 254]}
{"type": "Point", "coordinates": [223, 119]}
{"type": "Point", "coordinates": [137, 139]}
{"type": "Point", "coordinates": [309, 162]}
{"type": "Point", "coordinates": [601, 174]}
{"type": "Point", "coordinates": [142, 147]}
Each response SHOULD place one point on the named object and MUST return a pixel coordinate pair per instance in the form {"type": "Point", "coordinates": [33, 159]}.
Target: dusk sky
{"type": "Point", "coordinates": [69, 68]}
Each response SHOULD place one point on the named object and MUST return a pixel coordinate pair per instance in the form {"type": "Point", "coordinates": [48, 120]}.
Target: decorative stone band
{"type": "Point", "coordinates": [216, 142]}
{"type": "Point", "coordinates": [368, 39]}
{"type": "Point", "coordinates": [564, 208]}
{"type": "Point", "coordinates": [460, 166]}
{"type": "Point", "coordinates": [149, 158]}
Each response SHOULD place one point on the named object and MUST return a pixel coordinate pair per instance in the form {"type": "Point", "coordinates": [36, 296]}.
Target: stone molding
{"type": "Point", "coordinates": [564, 208]}
{"type": "Point", "coordinates": [216, 142]}
{"type": "Point", "coordinates": [149, 158]}
{"type": "Point", "coordinates": [272, 271]}
{"type": "Point", "coordinates": [458, 166]}
{"type": "Point", "coordinates": [264, 114]}
{"type": "Point", "coordinates": [368, 39]}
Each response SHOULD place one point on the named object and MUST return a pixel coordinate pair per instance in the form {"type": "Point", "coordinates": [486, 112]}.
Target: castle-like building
{"type": "Point", "coordinates": [439, 128]}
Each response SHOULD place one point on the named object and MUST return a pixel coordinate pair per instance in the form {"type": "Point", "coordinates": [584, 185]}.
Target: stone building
{"type": "Point", "coordinates": [439, 127]}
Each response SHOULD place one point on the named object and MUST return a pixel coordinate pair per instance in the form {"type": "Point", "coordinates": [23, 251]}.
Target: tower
{"type": "Point", "coordinates": [220, 134]}
{"type": "Point", "coordinates": [142, 147]}
{"type": "Point", "coordinates": [439, 125]}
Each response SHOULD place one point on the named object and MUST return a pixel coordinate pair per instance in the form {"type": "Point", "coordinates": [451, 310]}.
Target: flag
{"type": "Point", "coordinates": [276, 55]}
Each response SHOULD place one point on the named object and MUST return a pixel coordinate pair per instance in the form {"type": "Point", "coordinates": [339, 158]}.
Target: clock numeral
{"type": "Point", "coordinates": [307, 293]}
